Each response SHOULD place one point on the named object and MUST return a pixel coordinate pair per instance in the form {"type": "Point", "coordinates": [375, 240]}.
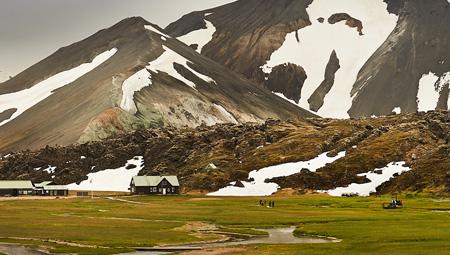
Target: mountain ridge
{"type": "Point", "coordinates": [176, 93]}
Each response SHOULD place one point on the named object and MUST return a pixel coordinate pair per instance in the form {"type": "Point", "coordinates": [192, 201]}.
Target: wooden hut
{"type": "Point", "coordinates": [155, 185]}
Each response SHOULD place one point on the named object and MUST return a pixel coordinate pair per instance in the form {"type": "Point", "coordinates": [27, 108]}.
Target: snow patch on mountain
{"type": "Point", "coordinates": [397, 110]}
{"type": "Point", "coordinates": [111, 179]}
{"type": "Point", "coordinates": [428, 94]}
{"type": "Point", "coordinates": [27, 98]}
{"type": "Point", "coordinates": [164, 63]}
{"type": "Point", "coordinates": [156, 30]}
{"type": "Point", "coordinates": [226, 114]}
{"type": "Point", "coordinates": [376, 177]}
{"type": "Point", "coordinates": [259, 186]}
{"type": "Point", "coordinates": [143, 78]}
{"type": "Point", "coordinates": [318, 40]}
{"type": "Point", "coordinates": [50, 169]}
{"type": "Point", "coordinates": [200, 37]}
{"type": "Point", "coordinates": [133, 84]}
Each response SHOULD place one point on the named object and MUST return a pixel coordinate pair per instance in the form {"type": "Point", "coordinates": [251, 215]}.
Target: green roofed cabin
{"type": "Point", "coordinates": [155, 185]}
{"type": "Point", "coordinates": [16, 188]}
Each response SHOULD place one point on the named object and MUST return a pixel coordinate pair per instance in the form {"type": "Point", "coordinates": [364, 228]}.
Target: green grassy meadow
{"type": "Point", "coordinates": [103, 226]}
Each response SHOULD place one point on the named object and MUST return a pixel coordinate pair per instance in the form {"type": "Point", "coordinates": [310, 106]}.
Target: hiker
{"type": "Point", "coordinates": [273, 204]}
{"type": "Point", "coordinates": [270, 204]}
{"type": "Point", "coordinates": [260, 202]}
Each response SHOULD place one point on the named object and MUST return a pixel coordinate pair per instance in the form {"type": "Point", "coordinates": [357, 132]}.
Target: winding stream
{"type": "Point", "coordinates": [276, 236]}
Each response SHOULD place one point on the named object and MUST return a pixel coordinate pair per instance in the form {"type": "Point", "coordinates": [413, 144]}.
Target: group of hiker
{"type": "Point", "coordinates": [270, 204]}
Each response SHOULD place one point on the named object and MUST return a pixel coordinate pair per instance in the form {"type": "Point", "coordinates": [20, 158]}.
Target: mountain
{"type": "Point", "coordinates": [209, 158]}
{"type": "Point", "coordinates": [412, 66]}
{"type": "Point", "coordinates": [128, 76]}
{"type": "Point", "coordinates": [341, 59]}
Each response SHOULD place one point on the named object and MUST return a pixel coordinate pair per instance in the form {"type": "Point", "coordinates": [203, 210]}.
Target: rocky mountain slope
{"type": "Point", "coordinates": [208, 158]}
{"type": "Point", "coordinates": [131, 75]}
{"type": "Point", "coordinates": [413, 64]}
{"type": "Point", "coordinates": [338, 58]}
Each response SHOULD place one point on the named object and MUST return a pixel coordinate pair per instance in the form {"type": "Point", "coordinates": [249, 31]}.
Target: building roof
{"type": "Point", "coordinates": [16, 185]}
{"type": "Point", "coordinates": [42, 184]}
{"type": "Point", "coordinates": [55, 187]}
{"type": "Point", "coordinates": [151, 181]}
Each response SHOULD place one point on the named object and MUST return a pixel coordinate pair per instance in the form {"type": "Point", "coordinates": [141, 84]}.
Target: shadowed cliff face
{"type": "Point", "coordinates": [287, 79]}
{"type": "Point", "coordinates": [419, 44]}
{"type": "Point", "coordinates": [317, 98]}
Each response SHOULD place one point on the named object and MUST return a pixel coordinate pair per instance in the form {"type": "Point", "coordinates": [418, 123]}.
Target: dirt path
{"type": "Point", "coordinates": [114, 218]}
{"type": "Point", "coordinates": [125, 201]}
{"type": "Point", "coordinates": [32, 198]}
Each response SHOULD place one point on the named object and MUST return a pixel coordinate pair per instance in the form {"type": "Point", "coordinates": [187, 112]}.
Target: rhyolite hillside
{"type": "Point", "coordinates": [129, 76]}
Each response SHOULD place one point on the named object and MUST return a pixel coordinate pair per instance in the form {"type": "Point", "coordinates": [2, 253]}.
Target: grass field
{"type": "Point", "coordinates": [102, 226]}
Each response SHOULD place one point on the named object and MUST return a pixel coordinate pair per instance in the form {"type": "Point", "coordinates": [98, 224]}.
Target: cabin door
{"type": "Point", "coordinates": [164, 191]}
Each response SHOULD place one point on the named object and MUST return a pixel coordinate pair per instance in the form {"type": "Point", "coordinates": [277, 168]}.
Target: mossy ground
{"type": "Point", "coordinates": [361, 223]}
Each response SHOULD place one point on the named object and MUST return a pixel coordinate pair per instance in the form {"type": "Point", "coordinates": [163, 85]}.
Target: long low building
{"type": "Point", "coordinates": [27, 188]}
{"type": "Point", "coordinates": [16, 188]}
{"type": "Point", "coordinates": [48, 188]}
{"type": "Point", "coordinates": [56, 190]}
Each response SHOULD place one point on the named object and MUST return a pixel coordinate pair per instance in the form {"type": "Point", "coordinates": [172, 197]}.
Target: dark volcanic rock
{"type": "Point", "coordinates": [235, 150]}
{"type": "Point", "coordinates": [443, 98]}
{"type": "Point", "coordinates": [287, 79]}
{"type": "Point", "coordinates": [349, 21]}
{"type": "Point", "coordinates": [317, 98]}
{"type": "Point", "coordinates": [193, 21]}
